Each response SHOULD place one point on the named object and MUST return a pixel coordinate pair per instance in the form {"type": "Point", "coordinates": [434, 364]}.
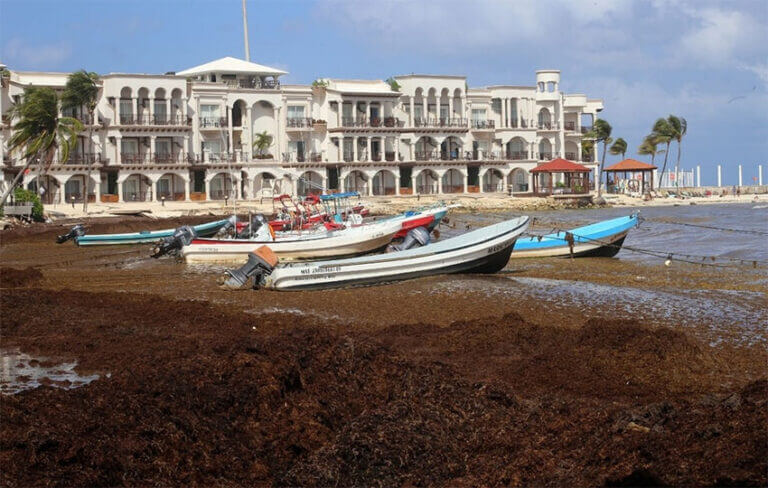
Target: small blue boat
{"type": "Point", "coordinates": [145, 236]}
{"type": "Point", "coordinates": [601, 239]}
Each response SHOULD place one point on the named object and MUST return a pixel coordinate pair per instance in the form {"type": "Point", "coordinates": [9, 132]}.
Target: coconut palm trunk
{"type": "Point", "coordinates": [90, 167]}
{"type": "Point", "coordinates": [664, 166]}
{"type": "Point", "coordinates": [18, 177]}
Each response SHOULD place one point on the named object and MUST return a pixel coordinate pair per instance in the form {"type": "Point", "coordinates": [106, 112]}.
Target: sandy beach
{"type": "Point", "coordinates": [467, 381]}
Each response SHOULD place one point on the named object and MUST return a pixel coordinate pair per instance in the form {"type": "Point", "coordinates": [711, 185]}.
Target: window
{"type": "Point", "coordinates": [444, 111]}
{"type": "Point", "coordinates": [295, 111]}
{"type": "Point", "coordinates": [130, 146]}
{"type": "Point", "coordinates": [210, 111]}
{"type": "Point", "coordinates": [126, 106]}
{"type": "Point", "coordinates": [161, 110]}
{"type": "Point", "coordinates": [163, 147]}
{"type": "Point", "coordinates": [418, 111]}
{"type": "Point", "coordinates": [478, 114]}
{"type": "Point", "coordinates": [212, 147]}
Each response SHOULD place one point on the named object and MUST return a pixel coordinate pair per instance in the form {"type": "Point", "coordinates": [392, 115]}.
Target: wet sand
{"type": "Point", "coordinates": [517, 379]}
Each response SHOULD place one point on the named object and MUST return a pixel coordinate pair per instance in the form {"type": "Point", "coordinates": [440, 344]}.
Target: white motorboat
{"type": "Point", "coordinates": [484, 250]}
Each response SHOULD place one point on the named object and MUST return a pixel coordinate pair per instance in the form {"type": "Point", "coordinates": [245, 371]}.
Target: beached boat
{"type": "Point", "coordinates": [601, 239]}
{"type": "Point", "coordinates": [484, 250]}
{"type": "Point", "coordinates": [315, 244]}
{"type": "Point", "coordinates": [428, 217]}
{"type": "Point", "coordinates": [141, 237]}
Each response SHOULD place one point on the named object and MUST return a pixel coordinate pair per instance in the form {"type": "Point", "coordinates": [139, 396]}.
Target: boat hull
{"type": "Point", "coordinates": [603, 239]}
{"type": "Point", "coordinates": [144, 237]}
{"type": "Point", "coordinates": [348, 242]}
{"type": "Point", "coordinates": [476, 252]}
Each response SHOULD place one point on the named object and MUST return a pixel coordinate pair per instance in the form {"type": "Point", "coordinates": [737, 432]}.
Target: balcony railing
{"type": "Point", "coordinates": [295, 157]}
{"type": "Point", "coordinates": [257, 84]}
{"type": "Point", "coordinates": [570, 125]}
{"type": "Point", "coordinates": [570, 156]}
{"type": "Point", "coordinates": [548, 125]}
{"type": "Point", "coordinates": [587, 158]}
{"type": "Point", "coordinates": [298, 123]}
{"type": "Point", "coordinates": [456, 122]}
{"type": "Point", "coordinates": [483, 124]}
{"type": "Point", "coordinates": [545, 156]}
{"type": "Point", "coordinates": [157, 119]}
{"type": "Point", "coordinates": [87, 158]}
{"type": "Point", "coordinates": [517, 155]}
{"type": "Point", "coordinates": [213, 122]}
{"type": "Point", "coordinates": [134, 158]}
{"type": "Point", "coordinates": [373, 122]}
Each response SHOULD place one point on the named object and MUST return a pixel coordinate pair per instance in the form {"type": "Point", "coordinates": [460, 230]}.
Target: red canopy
{"type": "Point", "coordinates": [560, 165]}
{"type": "Point", "coordinates": [630, 165]}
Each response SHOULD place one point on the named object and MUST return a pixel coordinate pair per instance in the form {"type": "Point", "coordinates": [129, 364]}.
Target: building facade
{"type": "Point", "coordinates": [230, 129]}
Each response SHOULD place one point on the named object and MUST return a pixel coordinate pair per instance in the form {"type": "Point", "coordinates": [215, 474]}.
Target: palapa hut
{"type": "Point", "coordinates": [629, 176]}
{"type": "Point", "coordinates": [574, 180]}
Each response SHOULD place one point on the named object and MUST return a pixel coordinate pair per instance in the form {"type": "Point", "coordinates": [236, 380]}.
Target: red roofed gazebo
{"type": "Point", "coordinates": [575, 179]}
{"type": "Point", "coordinates": [629, 176]}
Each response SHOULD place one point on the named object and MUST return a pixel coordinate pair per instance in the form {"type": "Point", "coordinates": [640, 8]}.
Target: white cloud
{"type": "Point", "coordinates": [19, 53]}
{"type": "Point", "coordinates": [722, 37]}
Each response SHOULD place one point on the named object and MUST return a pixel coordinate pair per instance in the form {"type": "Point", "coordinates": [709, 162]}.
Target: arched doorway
{"type": "Point", "coordinates": [75, 189]}
{"type": "Point", "coordinates": [453, 181]}
{"type": "Point", "coordinates": [545, 150]}
{"type": "Point", "coordinates": [384, 183]}
{"type": "Point", "coordinates": [264, 185]}
{"type": "Point", "coordinates": [493, 181]}
{"type": "Point", "coordinates": [545, 119]}
{"type": "Point", "coordinates": [426, 149]}
{"type": "Point", "coordinates": [516, 149]}
{"type": "Point", "coordinates": [170, 187]}
{"type": "Point", "coordinates": [222, 187]}
{"type": "Point", "coordinates": [356, 181]}
{"type": "Point", "coordinates": [426, 182]}
{"type": "Point", "coordinates": [450, 149]}
{"type": "Point", "coordinates": [51, 189]}
{"type": "Point", "coordinates": [137, 188]}
{"type": "Point", "coordinates": [518, 180]}
{"type": "Point", "coordinates": [310, 182]}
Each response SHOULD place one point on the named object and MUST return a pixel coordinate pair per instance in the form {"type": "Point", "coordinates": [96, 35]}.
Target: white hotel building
{"type": "Point", "coordinates": [189, 135]}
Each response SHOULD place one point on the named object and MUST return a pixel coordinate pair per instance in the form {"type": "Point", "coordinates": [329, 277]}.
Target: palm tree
{"type": "Point", "coordinates": [262, 141]}
{"type": "Point", "coordinates": [680, 127]}
{"type": "Point", "coordinates": [40, 131]}
{"type": "Point", "coordinates": [82, 90]}
{"type": "Point", "coordinates": [663, 133]}
{"type": "Point", "coordinates": [650, 146]}
{"type": "Point", "coordinates": [587, 145]}
{"type": "Point", "coordinates": [619, 147]}
{"type": "Point", "coordinates": [601, 132]}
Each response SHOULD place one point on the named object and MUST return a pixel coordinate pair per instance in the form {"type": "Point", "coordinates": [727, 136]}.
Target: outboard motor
{"type": "Point", "coordinates": [258, 229]}
{"type": "Point", "coordinates": [74, 232]}
{"type": "Point", "coordinates": [171, 245]}
{"type": "Point", "coordinates": [226, 229]}
{"type": "Point", "coordinates": [414, 238]}
{"type": "Point", "coordinates": [260, 264]}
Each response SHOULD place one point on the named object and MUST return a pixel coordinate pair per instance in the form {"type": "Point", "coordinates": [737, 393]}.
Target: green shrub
{"type": "Point", "coordinates": [22, 195]}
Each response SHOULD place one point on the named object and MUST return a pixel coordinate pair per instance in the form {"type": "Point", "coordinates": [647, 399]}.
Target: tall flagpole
{"type": "Point", "coordinates": [245, 33]}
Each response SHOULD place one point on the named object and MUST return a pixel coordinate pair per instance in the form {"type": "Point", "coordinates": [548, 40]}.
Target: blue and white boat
{"type": "Point", "coordinates": [145, 236]}
{"type": "Point", "coordinates": [601, 239]}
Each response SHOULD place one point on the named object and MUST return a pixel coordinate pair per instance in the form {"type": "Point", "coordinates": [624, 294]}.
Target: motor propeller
{"type": "Point", "coordinates": [74, 232]}
{"type": "Point", "coordinates": [260, 264]}
{"type": "Point", "coordinates": [172, 245]}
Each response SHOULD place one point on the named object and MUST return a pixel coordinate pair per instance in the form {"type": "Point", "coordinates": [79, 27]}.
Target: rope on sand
{"type": "Point", "coordinates": [724, 229]}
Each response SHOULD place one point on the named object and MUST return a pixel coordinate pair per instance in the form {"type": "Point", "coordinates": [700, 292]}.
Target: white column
{"type": "Point", "coordinates": [249, 136]}
{"type": "Point", "coordinates": [503, 112]}
{"type": "Point", "coordinates": [117, 112]}
{"type": "Point", "coordinates": [450, 107]}
{"type": "Point", "coordinates": [119, 148]}
{"type": "Point", "coordinates": [152, 147]}
{"type": "Point", "coordinates": [413, 119]}
{"type": "Point", "coordinates": [230, 131]}
{"type": "Point", "coordinates": [760, 174]}
{"type": "Point", "coordinates": [186, 189]}
{"type": "Point", "coordinates": [120, 190]}
{"type": "Point", "coordinates": [354, 148]}
{"type": "Point", "coordinates": [740, 182]}
{"type": "Point", "coordinates": [719, 175]}
{"type": "Point", "coordinates": [466, 183]}
{"type": "Point", "coordinates": [136, 113]}
{"type": "Point", "coordinates": [698, 176]}
{"type": "Point", "coordinates": [439, 184]}
{"type": "Point", "coordinates": [340, 113]}
{"type": "Point", "coordinates": [184, 110]}
{"type": "Point", "coordinates": [168, 111]}
{"type": "Point", "coordinates": [151, 110]}
{"type": "Point", "coordinates": [368, 156]}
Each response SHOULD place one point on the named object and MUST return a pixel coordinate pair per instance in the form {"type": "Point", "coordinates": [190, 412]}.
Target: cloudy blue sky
{"type": "Point", "coordinates": [706, 61]}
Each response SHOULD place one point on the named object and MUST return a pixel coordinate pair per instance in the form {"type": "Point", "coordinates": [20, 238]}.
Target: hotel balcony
{"type": "Point", "coordinates": [153, 158]}
{"type": "Point", "coordinates": [294, 157]}
{"type": "Point", "coordinates": [545, 156]}
{"type": "Point", "coordinates": [87, 158]}
{"type": "Point", "coordinates": [570, 125]}
{"type": "Point", "coordinates": [517, 155]}
{"type": "Point", "coordinates": [155, 120]}
{"type": "Point", "coordinates": [548, 125]}
{"type": "Point", "coordinates": [213, 123]}
{"type": "Point", "coordinates": [483, 124]}
{"type": "Point", "coordinates": [253, 84]}
{"type": "Point", "coordinates": [298, 123]}
{"type": "Point", "coordinates": [456, 122]}
{"type": "Point", "coordinates": [570, 156]}
{"type": "Point", "coordinates": [375, 122]}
